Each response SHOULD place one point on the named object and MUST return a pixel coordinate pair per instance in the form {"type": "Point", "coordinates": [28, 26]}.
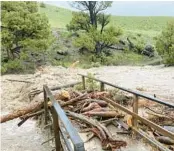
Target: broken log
{"type": "Point", "coordinates": [73, 100]}
{"type": "Point", "coordinates": [123, 124]}
{"type": "Point", "coordinates": [165, 140]}
{"type": "Point", "coordinates": [97, 95]}
{"type": "Point", "coordinates": [124, 132]}
{"type": "Point", "coordinates": [84, 130]}
{"type": "Point", "coordinates": [48, 140]}
{"type": "Point", "coordinates": [13, 80]}
{"type": "Point", "coordinates": [89, 137]}
{"type": "Point", "coordinates": [161, 116]}
{"type": "Point", "coordinates": [22, 122]}
{"type": "Point", "coordinates": [109, 120]}
{"type": "Point", "coordinates": [102, 114]}
{"type": "Point", "coordinates": [32, 107]}
{"type": "Point", "coordinates": [151, 109]}
{"type": "Point", "coordinates": [36, 92]}
{"type": "Point", "coordinates": [100, 131]}
{"type": "Point", "coordinates": [98, 110]}
{"type": "Point", "coordinates": [100, 102]}
{"type": "Point", "coordinates": [26, 117]}
{"type": "Point", "coordinates": [91, 106]}
{"type": "Point", "coordinates": [32, 114]}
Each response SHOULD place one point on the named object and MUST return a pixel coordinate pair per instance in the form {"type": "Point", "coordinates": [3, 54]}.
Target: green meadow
{"type": "Point", "coordinates": [60, 17]}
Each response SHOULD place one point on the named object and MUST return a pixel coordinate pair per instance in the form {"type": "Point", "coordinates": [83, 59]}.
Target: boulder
{"type": "Point", "coordinates": [148, 51]}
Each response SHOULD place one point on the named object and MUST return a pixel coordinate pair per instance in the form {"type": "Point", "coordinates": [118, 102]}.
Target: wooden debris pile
{"type": "Point", "coordinates": [161, 115]}
{"type": "Point", "coordinates": [86, 109]}
{"type": "Point", "coordinates": [92, 114]}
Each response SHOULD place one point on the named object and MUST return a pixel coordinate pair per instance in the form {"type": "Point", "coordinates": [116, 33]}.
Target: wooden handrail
{"type": "Point", "coordinates": [134, 114]}
{"type": "Point", "coordinates": [59, 114]}
{"type": "Point", "coordinates": [132, 91]}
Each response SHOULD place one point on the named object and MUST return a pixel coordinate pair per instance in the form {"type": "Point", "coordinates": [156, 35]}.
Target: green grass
{"type": "Point", "coordinates": [136, 28]}
{"type": "Point", "coordinates": [60, 17]}
{"type": "Point", "coordinates": [144, 23]}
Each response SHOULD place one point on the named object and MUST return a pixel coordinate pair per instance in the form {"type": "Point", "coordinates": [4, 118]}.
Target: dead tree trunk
{"type": "Point", "coordinates": [33, 107]}
{"type": "Point", "coordinates": [100, 131]}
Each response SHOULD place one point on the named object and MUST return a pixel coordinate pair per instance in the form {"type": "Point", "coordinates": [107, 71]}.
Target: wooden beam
{"type": "Point", "coordinates": [135, 110]}
{"type": "Point", "coordinates": [83, 82]}
{"type": "Point", "coordinates": [151, 140]}
{"type": "Point", "coordinates": [102, 86]}
{"type": "Point", "coordinates": [45, 107]}
{"type": "Point", "coordinates": [152, 98]}
{"type": "Point", "coordinates": [143, 120]}
{"type": "Point", "coordinates": [56, 129]}
{"type": "Point", "coordinates": [72, 132]}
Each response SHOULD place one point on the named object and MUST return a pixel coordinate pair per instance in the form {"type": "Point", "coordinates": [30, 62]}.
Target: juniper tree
{"type": "Point", "coordinates": [22, 26]}
{"type": "Point", "coordinates": [91, 25]}
{"type": "Point", "coordinates": [165, 44]}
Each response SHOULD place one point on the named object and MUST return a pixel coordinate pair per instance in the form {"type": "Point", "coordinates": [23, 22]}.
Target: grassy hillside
{"type": "Point", "coordinates": [138, 29]}
{"type": "Point", "coordinates": [59, 17]}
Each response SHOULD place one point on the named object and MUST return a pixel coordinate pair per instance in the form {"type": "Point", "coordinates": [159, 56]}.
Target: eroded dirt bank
{"type": "Point", "coordinates": [156, 80]}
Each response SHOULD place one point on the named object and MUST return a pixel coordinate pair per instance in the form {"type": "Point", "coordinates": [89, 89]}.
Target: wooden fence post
{"type": "Point", "coordinates": [135, 110]}
{"type": "Point", "coordinates": [45, 106]}
{"type": "Point", "coordinates": [102, 86]}
{"type": "Point", "coordinates": [83, 82]}
{"type": "Point", "coordinates": [56, 129]}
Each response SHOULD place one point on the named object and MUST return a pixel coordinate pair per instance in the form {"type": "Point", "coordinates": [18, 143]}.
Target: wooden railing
{"type": "Point", "coordinates": [134, 113]}
{"type": "Point", "coordinates": [58, 115]}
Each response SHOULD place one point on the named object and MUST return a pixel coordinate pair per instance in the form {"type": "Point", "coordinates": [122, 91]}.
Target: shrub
{"type": "Point", "coordinates": [96, 64]}
{"type": "Point", "coordinates": [139, 46]}
{"type": "Point", "coordinates": [3, 69]}
{"type": "Point", "coordinates": [100, 59]}
{"type": "Point", "coordinates": [91, 85]}
{"type": "Point", "coordinates": [165, 44]}
{"type": "Point", "coordinates": [42, 5]}
{"type": "Point", "coordinates": [86, 66]}
{"type": "Point", "coordinates": [12, 66]}
{"type": "Point", "coordinates": [169, 58]}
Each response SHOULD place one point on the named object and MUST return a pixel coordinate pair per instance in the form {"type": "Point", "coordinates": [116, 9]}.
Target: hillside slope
{"type": "Point", "coordinates": [140, 30]}
{"type": "Point", "coordinates": [60, 17]}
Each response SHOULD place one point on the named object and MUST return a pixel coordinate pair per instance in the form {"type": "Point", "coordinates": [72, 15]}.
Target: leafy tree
{"type": "Point", "coordinates": [42, 5]}
{"type": "Point", "coordinates": [165, 44]}
{"type": "Point", "coordinates": [23, 27]}
{"type": "Point", "coordinates": [90, 24]}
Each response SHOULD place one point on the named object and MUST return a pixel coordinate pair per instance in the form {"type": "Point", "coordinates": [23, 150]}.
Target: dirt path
{"type": "Point", "coordinates": [153, 80]}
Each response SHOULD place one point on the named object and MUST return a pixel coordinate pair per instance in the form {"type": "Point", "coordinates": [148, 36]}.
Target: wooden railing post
{"type": "Point", "coordinates": [56, 130]}
{"type": "Point", "coordinates": [83, 82]}
{"type": "Point", "coordinates": [102, 86]}
{"type": "Point", "coordinates": [135, 110]}
{"type": "Point", "coordinates": [45, 106]}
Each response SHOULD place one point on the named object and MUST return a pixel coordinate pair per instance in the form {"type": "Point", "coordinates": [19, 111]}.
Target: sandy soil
{"type": "Point", "coordinates": [156, 80]}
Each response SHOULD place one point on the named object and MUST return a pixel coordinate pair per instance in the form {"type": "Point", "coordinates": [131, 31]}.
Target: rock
{"type": "Point", "coordinates": [149, 48]}
{"type": "Point", "coordinates": [148, 51]}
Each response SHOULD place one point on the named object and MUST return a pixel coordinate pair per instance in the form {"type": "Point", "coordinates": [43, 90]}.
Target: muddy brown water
{"type": "Point", "coordinates": [28, 137]}
{"type": "Point", "coordinates": [152, 80]}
